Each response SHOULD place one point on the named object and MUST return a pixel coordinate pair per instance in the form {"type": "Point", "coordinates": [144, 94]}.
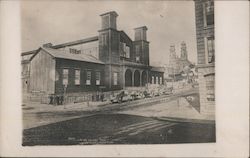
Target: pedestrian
{"type": "Point", "coordinates": [61, 99]}
{"type": "Point", "coordinates": [57, 100]}
{"type": "Point", "coordinates": [102, 97]}
{"type": "Point", "coordinates": [51, 99]}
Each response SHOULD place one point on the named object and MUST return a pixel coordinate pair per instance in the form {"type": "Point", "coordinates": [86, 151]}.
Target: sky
{"type": "Point", "coordinates": [168, 22]}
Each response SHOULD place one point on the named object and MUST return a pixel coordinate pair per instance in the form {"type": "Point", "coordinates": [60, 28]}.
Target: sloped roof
{"type": "Point", "coordinates": [86, 40]}
{"type": "Point", "coordinates": [62, 54]}
{"type": "Point", "coordinates": [122, 33]}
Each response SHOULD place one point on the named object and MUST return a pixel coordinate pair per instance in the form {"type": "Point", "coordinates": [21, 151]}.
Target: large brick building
{"type": "Point", "coordinates": [109, 61]}
{"type": "Point", "coordinates": [204, 14]}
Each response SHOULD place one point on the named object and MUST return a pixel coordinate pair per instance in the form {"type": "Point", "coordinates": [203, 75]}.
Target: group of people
{"type": "Point", "coordinates": [56, 99]}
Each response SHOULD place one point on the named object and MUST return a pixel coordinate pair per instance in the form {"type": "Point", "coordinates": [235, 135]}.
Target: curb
{"type": "Point", "coordinates": [186, 120]}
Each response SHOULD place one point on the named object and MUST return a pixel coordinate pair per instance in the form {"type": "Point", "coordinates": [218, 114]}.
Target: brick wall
{"type": "Point", "coordinates": [206, 107]}
{"type": "Point", "coordinates": [202, 31]}
{"type": "Point", "coordinates": [84, 67]}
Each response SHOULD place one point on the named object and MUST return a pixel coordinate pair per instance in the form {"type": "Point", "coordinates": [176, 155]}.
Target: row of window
{"type": "Point", "coordinates": [88, 77]}
{"type": "Point", "coordinates": [156, 80]}
{"type": "Point", "coordinates": [78, 77]}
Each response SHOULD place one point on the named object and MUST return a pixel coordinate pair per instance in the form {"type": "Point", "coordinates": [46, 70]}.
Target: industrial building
{"type": "Point", "coordinates": [106, 62]}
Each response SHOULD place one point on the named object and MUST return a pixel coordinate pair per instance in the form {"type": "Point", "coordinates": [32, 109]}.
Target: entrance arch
{"type": "Point", "coordinates": [144, 78]}
{"type": "Point", "coordinates": [128, 78]}
{"type": "Point", "coordinates": [136, 78]}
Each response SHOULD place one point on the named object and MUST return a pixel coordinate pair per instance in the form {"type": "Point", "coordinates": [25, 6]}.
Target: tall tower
{"type": "Point", "coordinates": [172, 60]}
{"type": "Point", "coordinates": [172, 55]}
{"type": "Point", "coordinates": [108, 38]}
{"type": "Point", "coordinates": [141, 45]}
{"type": "Point", "coordinates": [184, 55]}
{"type": "Point", "coordinates": [109, 49]}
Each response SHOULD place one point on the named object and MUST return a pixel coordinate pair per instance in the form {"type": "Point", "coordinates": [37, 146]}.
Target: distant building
{"type": "Point", "coordinates": [176, 64]}
{"type": "Point", "coordinates": [109, 61]}
{"type": "Point", "coordinates": [204, 16]}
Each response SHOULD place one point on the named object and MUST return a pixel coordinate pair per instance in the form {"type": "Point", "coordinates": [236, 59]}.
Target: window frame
{"type": "Point", "coordinates": [210, 52]}
{"type": "Point", "coordinates": [206, 13]}
{"type": "Point", "coordinates": [64, 75]}
{"type": "Point", "coordinates": [96, 78]}
{"type": "Point", "coordinates": [88, 81]}
{"type": "Point", "coordinates": [79, 80]}
{"type": "Point", "coordinates": [115, 78]}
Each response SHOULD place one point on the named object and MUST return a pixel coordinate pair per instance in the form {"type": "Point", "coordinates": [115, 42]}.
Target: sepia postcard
{"type": "Point", "coordinates": [120, 74]}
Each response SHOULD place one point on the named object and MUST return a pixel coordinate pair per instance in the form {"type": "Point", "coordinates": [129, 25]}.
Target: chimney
{"type": "Point", "coordinates": [141, 33]}
{"type": "Point", "coordinates": [109, 20]}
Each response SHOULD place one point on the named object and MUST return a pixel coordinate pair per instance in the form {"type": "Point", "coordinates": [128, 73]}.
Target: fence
{"type": "Point", "coordinates": [44, 98]}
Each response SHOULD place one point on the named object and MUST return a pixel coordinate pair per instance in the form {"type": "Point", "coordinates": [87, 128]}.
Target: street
{"type": "Point", "coordinates": [118, 129]}
{"type": "Point", "coordinates": [137, 122]}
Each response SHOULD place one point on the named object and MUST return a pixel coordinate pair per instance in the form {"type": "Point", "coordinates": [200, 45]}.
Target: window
{"type": "Point", "coordinates": [208, 10]}
{"type": "Point", "coordinates": [153, 80]}
{"type": "Point", "coordinates": [160, 80]}
{"type": "Point", "coordinates": [137, 50]}
{"type": "Point", "coordinates": [77, 76]}
{"type": "Point", "coordinates": [137, 59]}
{"type": "Point", "coordinates": [137, 53]}
{"type": "Point", "coordinates": [115, 78]}
{"type": "Point", "coordinates": [65, 76]}
{"type": "Point", "coordinates": [98, 78]}
{"type": "Point", "coordinates": [157, 82]}
{"type": "Point", "coordinates": [104, 39]}
{"type": "Point", "coordinates": [210, 87]}
{"type": "Point", "coordinates": [88, 80]}
{"type": "Point", "coordinates": [210, 50]}
{"type": "Point", "coordinates": [127, 50]}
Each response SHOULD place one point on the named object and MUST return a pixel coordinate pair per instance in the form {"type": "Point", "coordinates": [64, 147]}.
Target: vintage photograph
{"type": "Point", "coordinates": [117, 72]}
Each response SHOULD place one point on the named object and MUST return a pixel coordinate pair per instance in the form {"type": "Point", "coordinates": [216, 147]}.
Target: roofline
{"type": "Point", "coordinates": [38, 50]}
{"type": "Point", "coordinates": [110, 12]}
{"type": "Point", "coordinates": [86, 40]}
{"type": "Point", "coordinates": [141, 27]}
{"type": "Point", "coordinates": [29, 52]}
{"type": "Point", "coordinates": [126, 35]}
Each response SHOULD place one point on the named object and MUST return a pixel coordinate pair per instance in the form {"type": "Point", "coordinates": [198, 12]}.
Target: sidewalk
{"type": "Point", "coordinates": [178, 109]}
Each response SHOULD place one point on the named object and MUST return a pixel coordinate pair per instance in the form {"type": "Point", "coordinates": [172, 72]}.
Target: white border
{"type": "Point", "coordinates": [232, 93]}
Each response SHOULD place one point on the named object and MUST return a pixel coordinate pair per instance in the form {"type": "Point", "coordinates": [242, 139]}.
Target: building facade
{"type": "Point", "coordinates": [109, 61]}
{"type": "Point", "coordinates": [204, 14]}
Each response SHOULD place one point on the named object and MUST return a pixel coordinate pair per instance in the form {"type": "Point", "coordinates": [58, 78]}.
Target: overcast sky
{"type": "Point", "coordinates": [168, 22]}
